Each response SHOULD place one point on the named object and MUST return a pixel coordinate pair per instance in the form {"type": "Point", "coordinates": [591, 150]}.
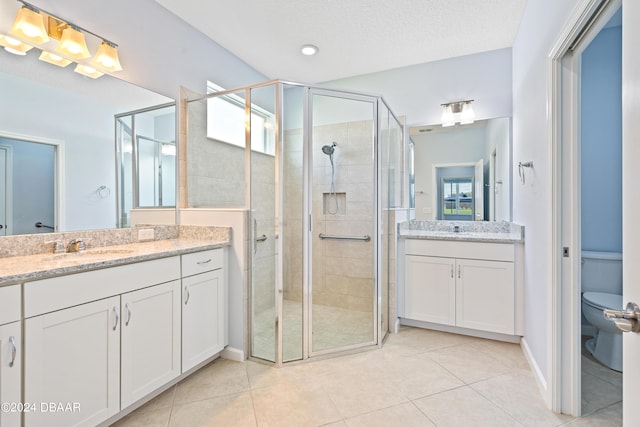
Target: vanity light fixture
{"type": "Point", "coordinates": [14, 46]}
{"type": "Point", "coordinates": [37, 27]}
{"type": "Point", "coordinates": [88, 71]}
{"type": "Point", "coordinates": [73, 44]}
{"type": "Point", "coordinates": [29, 25]}
{"type": "Point", "coordinates": [462, 108]}
{"type": "Point", "coordinates": [309, 49]}
{"type": "Point", "coordinates": [107, 57]}
{"type": "Point", "coordinates": [54, 59]}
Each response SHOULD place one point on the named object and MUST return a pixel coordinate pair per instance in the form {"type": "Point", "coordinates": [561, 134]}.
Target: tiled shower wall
{"type": "Point", "coordinates": [342, 270]}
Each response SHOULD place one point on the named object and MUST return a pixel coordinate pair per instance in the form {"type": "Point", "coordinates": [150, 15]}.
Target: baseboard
{"type": "Point", "coordinates": [234, 354]}
{"type": "Point", "coordinates": [537, 373]}
{"type": "Point", "coordinates": [462, 331]}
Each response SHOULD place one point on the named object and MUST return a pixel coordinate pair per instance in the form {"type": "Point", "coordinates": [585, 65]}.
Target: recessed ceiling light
{"type": "Point", "coordinates": [309, 49]}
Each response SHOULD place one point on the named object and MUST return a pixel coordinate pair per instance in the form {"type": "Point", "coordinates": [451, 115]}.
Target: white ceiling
{"type": "Point", "coordinates": [354, 36]}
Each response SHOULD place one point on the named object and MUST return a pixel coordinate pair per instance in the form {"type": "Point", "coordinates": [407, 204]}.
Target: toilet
{"type": "Point", "coordinates": [602, 289]}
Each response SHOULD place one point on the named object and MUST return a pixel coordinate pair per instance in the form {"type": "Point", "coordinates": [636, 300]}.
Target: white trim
{"type": "Point", "coordinates": [8, 193]}
{"type": "Point", "coordinates": [563, 393]}
{"type": "Point", "coordinates": [59, 185]}
{"type": "Point", "coordinates": [537, 372]}
{"type": "Point", "coordinates": [231, 353]}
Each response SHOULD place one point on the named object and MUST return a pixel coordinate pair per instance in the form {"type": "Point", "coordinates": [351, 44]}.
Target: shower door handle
{"type": "Point", "coordinates": [626, 320]}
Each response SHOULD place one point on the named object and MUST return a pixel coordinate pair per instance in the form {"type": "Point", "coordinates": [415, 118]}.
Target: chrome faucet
{"type": "Point", "coordinates": [76, 245]}
{"type": "Point", "coordinates": [58, 247]}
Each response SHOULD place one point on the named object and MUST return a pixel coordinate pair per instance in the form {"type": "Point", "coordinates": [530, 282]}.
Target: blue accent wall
{"type": "Point", "coordinates": [601, 143]}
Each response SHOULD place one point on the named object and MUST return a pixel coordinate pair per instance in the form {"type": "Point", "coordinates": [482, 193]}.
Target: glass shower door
{"type": "Point", "coordinates": [342, 207]}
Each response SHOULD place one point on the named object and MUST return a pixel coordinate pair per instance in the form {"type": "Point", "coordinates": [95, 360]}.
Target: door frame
{"type": "Point", "coordinates": [308, 153]}
{"type": "Point", "coordinates": [8, 191]}
{"type": "Point", "coordinates": [588, 18]}
{"type": "Point", "coordinates": [59, 171]}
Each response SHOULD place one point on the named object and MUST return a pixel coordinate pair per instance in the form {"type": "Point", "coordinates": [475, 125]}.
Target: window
{"type": "Point", "coordinates": [226, 122]}
{"type": "Point", "coordinates": [457, 198]}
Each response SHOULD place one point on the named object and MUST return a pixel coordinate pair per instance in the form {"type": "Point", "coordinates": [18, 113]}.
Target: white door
{"type": "Point", "coordinates": [203, 317]}
{"type": "Point", "coordinates": [478, 195]}
{"type": "Point", "coordinates": [631, 201]}
{"type": "Point", "coordinates": [150, 340]}
{"type": "Point", "coordinates": [10, 370]}
{"type": "Point", "coordinates": [485, 295]}
{"type": "Point", "coordinates": [430, 292]}
{"type": "Point", "coordinates": [73, 356]}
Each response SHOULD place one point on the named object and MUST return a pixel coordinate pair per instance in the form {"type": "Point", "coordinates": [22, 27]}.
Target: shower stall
{"type": "Point", "coordinates": [317, 171]}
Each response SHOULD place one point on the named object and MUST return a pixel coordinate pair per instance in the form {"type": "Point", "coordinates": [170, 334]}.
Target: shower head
{"type": "Point", "coordinates": [329, 149]}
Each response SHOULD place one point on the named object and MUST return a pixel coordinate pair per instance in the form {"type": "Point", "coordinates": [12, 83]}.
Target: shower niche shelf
{"type": "Point", "coordinates": [334, 203]}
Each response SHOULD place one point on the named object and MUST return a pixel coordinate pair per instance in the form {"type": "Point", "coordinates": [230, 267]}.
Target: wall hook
{"type": "Point", "coordinates": [521, 167]}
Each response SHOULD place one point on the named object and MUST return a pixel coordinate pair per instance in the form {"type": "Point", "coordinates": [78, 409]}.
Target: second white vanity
{"type": "Point", "coordinates": [467, 281]}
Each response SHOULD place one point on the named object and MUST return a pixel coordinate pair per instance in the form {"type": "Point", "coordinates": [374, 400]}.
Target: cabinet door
{"type": "Point", "coordinates": [150, 340]}
{"type": "Point", "coordinates": [430, 292]}
{"type": "Point", "coordinates": [72, 357]}
{"type": "Point", "coordinates": [485, 295]}
{"type": "Point", "coordinates": [10, 370]}
{"type": "Point", "coordinates": [203, 317]}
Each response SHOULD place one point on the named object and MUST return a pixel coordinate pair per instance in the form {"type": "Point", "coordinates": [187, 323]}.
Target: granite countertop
{"type": "Point", "coordinates": [19, 269]}
{"type": "Point", "coordinates": [493, 232]}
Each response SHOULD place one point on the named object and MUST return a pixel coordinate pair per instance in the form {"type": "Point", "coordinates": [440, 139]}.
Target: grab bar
{"type": "Point", "coordinates": [41, 225]}
{"type": "Point", "coordinates": [366, 237]}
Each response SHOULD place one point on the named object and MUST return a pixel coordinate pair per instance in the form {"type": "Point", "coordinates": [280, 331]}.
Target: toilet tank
{"type": "Point", "coordinates": [602, 272]}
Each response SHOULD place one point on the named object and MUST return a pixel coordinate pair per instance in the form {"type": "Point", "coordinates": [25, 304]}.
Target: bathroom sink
{"type": "Point", "coordinates": [72, 257]}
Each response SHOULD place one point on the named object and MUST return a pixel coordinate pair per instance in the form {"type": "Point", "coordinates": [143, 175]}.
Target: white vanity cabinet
{"type": "Point", "coordinates": [150, 340]}
{"type": "Point", "coordinates": [204, 295]}
{"type": "Point", "coordinates": [100, 339]}
{"type": "Point", "coordinates": [10, 356]}
{"type": "Point", "coordinates": [472, 285]}
{"type": "Point", "coordinates": [73, 356]}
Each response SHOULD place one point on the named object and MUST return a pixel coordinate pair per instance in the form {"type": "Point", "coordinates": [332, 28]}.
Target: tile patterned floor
{"type": "Point", "coordinates": [419, 378]}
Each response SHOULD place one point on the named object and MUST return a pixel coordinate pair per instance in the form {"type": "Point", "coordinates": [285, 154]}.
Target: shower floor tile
{"type": "Point", "coordinates": [332, 327]}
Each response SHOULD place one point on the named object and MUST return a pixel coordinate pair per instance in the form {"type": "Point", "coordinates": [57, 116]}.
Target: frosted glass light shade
{"type": "Point", "coordinates": [447, 116]}
{"type": "Point", "coordinates": [88, 71]}
{"type": "Point", "coordinates": [72, 44]}
{"type": "Point", "coordinates": [14, 46]}
{"type": "Point", "coordinates": [467, 115]}
{"type": "Point", "coordinates": [54, 59]}
{"type": "Point", "coordinates": [29, 25]}
{"type": "Point", "coordinates": [107, 58]}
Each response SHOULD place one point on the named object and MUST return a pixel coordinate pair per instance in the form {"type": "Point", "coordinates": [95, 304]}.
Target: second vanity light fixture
{"type": "Point", "coordinates": [34, 27]}
{"type": "Point", "coordinates": [462, 108]}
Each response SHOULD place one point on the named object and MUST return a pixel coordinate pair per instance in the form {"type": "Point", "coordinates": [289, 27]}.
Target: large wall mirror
{"type": "Point", "coordinates": [463, 172]}
{"type": "Point", "coordinates": [58, 133]}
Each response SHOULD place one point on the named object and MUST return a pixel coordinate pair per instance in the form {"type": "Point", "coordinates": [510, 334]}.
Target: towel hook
{"type": "Point", "coordinates": [521, 165]}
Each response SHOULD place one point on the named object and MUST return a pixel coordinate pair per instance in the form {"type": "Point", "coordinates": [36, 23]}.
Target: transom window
{"type": "Point", "coordinates": [226, 122]}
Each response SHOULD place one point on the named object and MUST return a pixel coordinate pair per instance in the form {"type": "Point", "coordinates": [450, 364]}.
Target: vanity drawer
{"type": "Point", "coordinates": [200, 262]}
{"type": "Point", "coordinates": [9, 304]}
{"type": "Point", "coordinates": [44, 296]}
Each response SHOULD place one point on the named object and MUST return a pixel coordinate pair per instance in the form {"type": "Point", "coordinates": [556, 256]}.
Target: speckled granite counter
{"type": "Point", "coordinates": [19, 269]}
{"type": "Point", "coordinates": [476, 231]}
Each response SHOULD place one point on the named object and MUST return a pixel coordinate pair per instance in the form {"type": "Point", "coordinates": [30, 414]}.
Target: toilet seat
{"type": "Point", "coordinates": [602, 300]}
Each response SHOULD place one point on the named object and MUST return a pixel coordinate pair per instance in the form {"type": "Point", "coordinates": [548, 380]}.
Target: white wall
{"type": "Point", "coordinates": [157, 50]}
{"type": "Point", "coordinates": [87, 136]}
{"type": "Point", "coordinates": [540, 27]}
{"type": "Point", "coordinates": [417, 91]}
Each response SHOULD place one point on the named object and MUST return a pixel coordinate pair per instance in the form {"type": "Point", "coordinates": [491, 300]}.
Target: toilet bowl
{"type": "Point", "coordinates": [606, 345]}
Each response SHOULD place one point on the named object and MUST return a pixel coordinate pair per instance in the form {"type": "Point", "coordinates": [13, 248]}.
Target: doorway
{"type": "Point", "coordinates": [27, 186]}
{"type": "Point", "coordinates": [587, 176]}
